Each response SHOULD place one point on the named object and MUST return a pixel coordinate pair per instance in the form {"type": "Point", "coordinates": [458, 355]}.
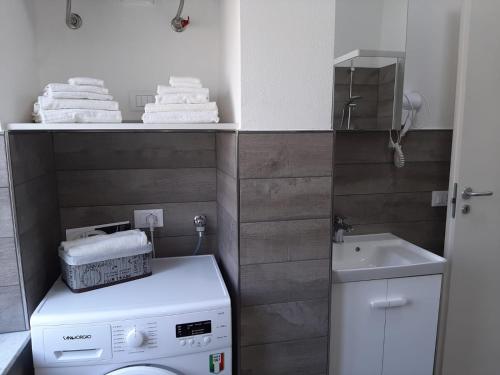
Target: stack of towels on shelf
{"type": "Point", "coordinates": [81, 100]}
{"type": "Point", "coordinates": [184, 101]}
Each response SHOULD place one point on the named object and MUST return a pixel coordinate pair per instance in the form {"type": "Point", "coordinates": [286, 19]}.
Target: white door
{"type": "Point", "coordinates": [472, 332]}
{"type": "Point", "coordinates": [411, 328]}
{"type": "Point", "coordinates": [357, 328]}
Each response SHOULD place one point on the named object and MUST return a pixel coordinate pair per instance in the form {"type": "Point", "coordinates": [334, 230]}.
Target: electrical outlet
{"type": "Point", "coordinates": [439, 199]}
{"type": "Point", "coordinates": [140, 218]}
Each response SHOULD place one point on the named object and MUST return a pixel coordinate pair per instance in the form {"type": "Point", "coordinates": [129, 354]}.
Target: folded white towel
{"type": "Point", "coordinates": [186, 85]}
{"type": "Point", "coordinates": [179, 80]}
{"type": "Point", "coordinates": [66, 87]}
{"type": "Point", "coordinates": [163, 89]}
{"type": "Point", "coordinates": [69, 116]}
{"type": "Point", "coordinates": [181, 98]}
{"type": "Point", "coordinates": [114, 245]}
{"type": "Point", "coordinates": [87, 81]}
{"type": "Point", "coordinates": [45, 102]}
{"type": "Point", "coordinates": [200, 117]}
{"type": "Point", "coordinates": [78, 95]}
{"type": "Point", "coordinates": [152, 107]}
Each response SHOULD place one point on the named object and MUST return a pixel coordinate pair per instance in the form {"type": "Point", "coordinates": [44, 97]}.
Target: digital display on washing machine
{"type": "Point", "coordinates": [193, 329]}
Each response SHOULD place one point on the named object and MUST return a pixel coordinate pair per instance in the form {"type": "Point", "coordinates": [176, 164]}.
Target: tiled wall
{"type": "Point", "coordinates": [385, 106]}
{"type": "Point", "coordinates": [104, 177]}
{"type": "Point", "coordinates": [11, 300]}
{"type": "Point", "coordinates": [376, 88]}
{"type": "Point", "coordinates": [285, 184]}
{"type": "Point", "coordinates": [228, 228]}
{"type": "Point", "coordinates": [377, 197]}
{"type": "Point", "coordinates": [37, 215]}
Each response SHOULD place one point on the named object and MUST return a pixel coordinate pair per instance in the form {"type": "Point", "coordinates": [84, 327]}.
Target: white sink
{"type": "Point", "coordinates": [381, 256]}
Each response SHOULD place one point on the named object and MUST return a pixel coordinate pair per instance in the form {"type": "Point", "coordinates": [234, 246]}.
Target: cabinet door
{"type": "Point", "coordinates": [357, 328]}
{"type": "Point", "coordinates": [411, 325]}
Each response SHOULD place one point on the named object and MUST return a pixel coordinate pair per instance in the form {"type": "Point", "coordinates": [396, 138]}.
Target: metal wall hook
{"type": "Point", "coordinates": [73, 20]}
{"type": "Point", "coordinates": [179, 24]}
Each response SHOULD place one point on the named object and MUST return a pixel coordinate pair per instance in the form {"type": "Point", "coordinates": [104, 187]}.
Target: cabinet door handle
{"type": "Point", "coordinates": [397, 302]}
{"type": "Point", "coordinates": [380, 304]}
{"type": "Point", "coordinates": [389, 303]}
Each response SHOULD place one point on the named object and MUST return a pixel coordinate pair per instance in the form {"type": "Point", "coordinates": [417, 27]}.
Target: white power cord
{"type": "Point", "coordinates": [410, 120]}
{"type": "Point", "coordinates": [152, 220]}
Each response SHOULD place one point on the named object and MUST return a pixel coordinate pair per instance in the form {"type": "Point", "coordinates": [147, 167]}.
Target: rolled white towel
{"type": "Point", "coordinates": [187, 80]}
{"type": "Point", "coordinates": [183, 117]}
{"type": "Point", "coordinates": [152, 107]}
{"type": "Point", "coordinates": [181, 98]}
{"type": "Point", "coordinates": [115, 245]}
{"type": "Point", "coordinates": [87, 81]}
{"type": "Point", "coordinates": [163, 89]}
{"type": "Point", "coordinates": [83, 116]}
{"type": "Point", "coordinates": [66, 87]}
{"type": "Point", "coordinates": [77, 95]}
{"type": "Point", "coordinates": [68, 246]}
{"type": "Point", "coordinates": [45, 102]}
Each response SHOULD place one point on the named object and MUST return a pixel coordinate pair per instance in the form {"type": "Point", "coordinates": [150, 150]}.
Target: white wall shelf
{"type": "Point", "coordinates": [119, 127]}
{"type": "Point", "coordinates": [369, 53]}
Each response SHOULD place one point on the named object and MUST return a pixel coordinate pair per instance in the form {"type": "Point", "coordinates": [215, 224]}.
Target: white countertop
{"type": "Point", "coordinates": [118, 127]}
{"type": "Point", "coordinates": [11, 346]}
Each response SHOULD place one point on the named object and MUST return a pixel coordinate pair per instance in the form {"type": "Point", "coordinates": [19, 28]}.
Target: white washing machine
{"type": "Point", "coordinates": [177, 321]}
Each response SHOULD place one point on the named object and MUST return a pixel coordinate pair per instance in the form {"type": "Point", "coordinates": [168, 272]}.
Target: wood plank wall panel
{"type": "Point", "coordinates": [284, 241]}
{"type": "Point", "coordinates": [6, 226]}
{"type": "Point", "coordinates": [309, 358]}
{"type": "Point", "coordinates": [37, 212]}
{"type": "Point", "coordinates": [135, 186]}
{"type": "Point", "coordinates": [4, 180]}
{"type": "Point", "coordinates": [377, 197]}
{"type": "Point", "coordinates": [8, 261]}
{"type": "Point", "coordinates": [11, 302]}
{"type": "Point", "coordinates": [90, 151]}
{"type": "Point", "coordinates": [11, 306]}
{"type": "Point", "coordinates": [277, 199]}
{"type": "Point", "coordinates": [228, 229]}
{"type": "Point", "coordinates": [31, 156]}
{"type": "Point", "coordinates": [104, 177]}
{"type": "Point", "coordinates": [285, 248]}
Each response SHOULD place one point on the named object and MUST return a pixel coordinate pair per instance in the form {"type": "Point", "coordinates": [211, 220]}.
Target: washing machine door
{"type": "Point", "coordinates": [142, 370]}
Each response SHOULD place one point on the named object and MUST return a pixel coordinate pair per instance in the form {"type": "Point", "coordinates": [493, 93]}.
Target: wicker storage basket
{"type": "Point", "coordinates": [82, 277]}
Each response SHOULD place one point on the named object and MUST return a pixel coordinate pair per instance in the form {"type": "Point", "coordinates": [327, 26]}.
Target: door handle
{"type": "Point", "coordinates": [469, 193]}
{"type": "Point", "coordinates": [388, 303]}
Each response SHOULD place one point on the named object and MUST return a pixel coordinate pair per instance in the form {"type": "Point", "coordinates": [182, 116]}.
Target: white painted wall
{"type": "Point", "coordinates": [357, 25]}
{"type": "Point", "coordinates": [130, 47]}
{"type": "Point", "coordinates": [287, 64]}
{"type": "Point", "coordinates": [230, 84]}
{"type": "Point", "coordinates": [431, 59]}
{"type": "Point", "coordinates": [394, 24]}
{"type": "Point", "coordinates": [18, 73]}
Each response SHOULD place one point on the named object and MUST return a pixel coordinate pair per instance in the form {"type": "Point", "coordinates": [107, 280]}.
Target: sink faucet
{"type": "Point", "coordinates": [340, 227]}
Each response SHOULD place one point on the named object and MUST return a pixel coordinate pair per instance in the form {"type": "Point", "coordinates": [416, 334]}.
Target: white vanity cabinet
{"type": "Point", "coordinates": [385, 327]}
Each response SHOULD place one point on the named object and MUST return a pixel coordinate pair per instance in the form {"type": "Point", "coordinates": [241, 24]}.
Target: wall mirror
{"type": "Point", "coordinates": [370, 49]}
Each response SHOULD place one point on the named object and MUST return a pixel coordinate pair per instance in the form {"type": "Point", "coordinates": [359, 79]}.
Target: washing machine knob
{"type": "Point", "coordinates": [135, 338]}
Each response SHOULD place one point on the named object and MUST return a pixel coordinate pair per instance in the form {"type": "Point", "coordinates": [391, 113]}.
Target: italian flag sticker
{"type": "Point", "coordinates": [216, 363]}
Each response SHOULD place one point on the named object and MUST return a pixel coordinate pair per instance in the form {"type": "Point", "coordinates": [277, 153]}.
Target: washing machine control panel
{"type": "Point", "coordinates": [141, 339]}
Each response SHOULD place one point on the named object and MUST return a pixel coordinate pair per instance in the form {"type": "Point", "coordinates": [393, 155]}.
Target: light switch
{"type": "Point", "coordinates": [439, 199]}
{"type": "Point", "coordinates": [139, 99]}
